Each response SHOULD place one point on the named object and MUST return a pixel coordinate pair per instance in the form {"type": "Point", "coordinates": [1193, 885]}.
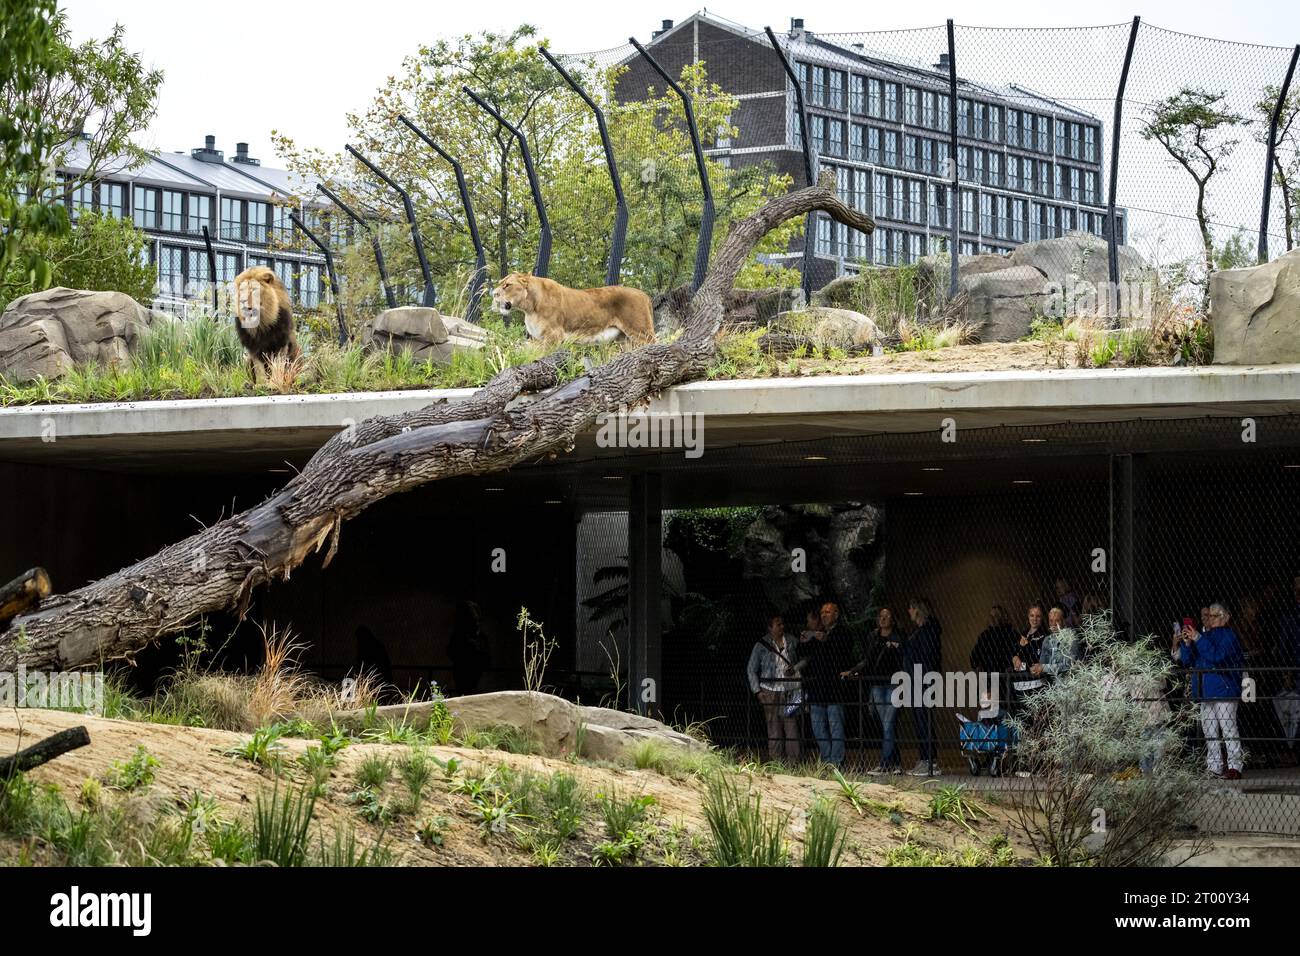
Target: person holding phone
{"type": "Point", "coordinates": [1216, 661]}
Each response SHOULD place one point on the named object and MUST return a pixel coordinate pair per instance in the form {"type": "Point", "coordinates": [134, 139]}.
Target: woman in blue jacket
{"type": "Point", "coordinates": [1216, 661]}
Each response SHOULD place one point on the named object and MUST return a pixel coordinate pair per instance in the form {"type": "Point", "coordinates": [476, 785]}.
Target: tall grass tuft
{"type": "Point", "coordinates": [742, 833]}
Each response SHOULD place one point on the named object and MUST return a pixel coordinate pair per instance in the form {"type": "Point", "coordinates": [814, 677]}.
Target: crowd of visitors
{"type": "Point", "coordinates": [1243, 673]}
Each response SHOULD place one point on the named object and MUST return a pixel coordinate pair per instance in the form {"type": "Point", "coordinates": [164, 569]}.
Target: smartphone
{"type": "Point", "coordinates": [1187, 622]}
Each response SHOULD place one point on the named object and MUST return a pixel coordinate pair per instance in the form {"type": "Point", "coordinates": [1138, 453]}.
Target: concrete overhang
{"type": "Point", "coordinates": [255, 433]}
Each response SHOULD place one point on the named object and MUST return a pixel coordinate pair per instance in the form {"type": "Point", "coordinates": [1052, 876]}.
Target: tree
{"type": "Point", "coordinates": [507, 71]}
{"type": "Point", "coordinates": [1196, 128]}
{"type": "Point", "coordinates": [115, 617]}
{"type": "Point", "coordinates": [27, 61]}
{"type": "Point", "coordinates": [97, 92]}
{"type": "Point", "coordinates": [100, 252]}
{"type": "Point", "coordinates": [1286, 154]}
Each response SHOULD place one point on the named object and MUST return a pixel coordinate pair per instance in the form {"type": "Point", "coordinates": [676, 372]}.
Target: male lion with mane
{"type": "Point", "coordinates": [553, 313]}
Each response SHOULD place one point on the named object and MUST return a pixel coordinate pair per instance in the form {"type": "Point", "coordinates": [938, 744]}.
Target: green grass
{"type": "Point", "coordinates": [743, 834]}
{"type": "Point", "coordinates": [134, 773]}
{"type": "Point", "coordinates": [825, 836]}
{"type": "Point", "coordinates": [281, 824]}
{"type": "Point", "coordinates": [263, 749]}
{"type": "Point", "coordinates": [951, 803]}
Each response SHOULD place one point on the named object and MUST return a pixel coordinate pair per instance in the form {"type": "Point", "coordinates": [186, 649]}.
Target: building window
{"type": "Point", "coordinates": [929, 110]}
{"type": "Point", "coordinates": [825, 244]}
{"type": "Point", "coordinates": [875, 97]}
{"type": "Point", "coordinates": [857, 93]}
{"type": "Point", "coordinates": [880, 247]}
{"type": "Point", "coordinates": [1044, 144]}
{"type": "Point", "coordinates": [898, 245]}
{"type": "Point", "coordinates": [112, 200]}
{"type": "Point", "coordinates": [861, 197]}
{"type": "Point", "coordinates": [1018, 220]}
{"type": "Point", "coordinates": [995, 123]}
{"type": "Point", "coordinates": [173, 211]}
{"type": "Point", "coordinates": [873, 145]}
{"type": "Point", "coordinates": [899, 199]}
{"type": "Point", "coordinates": [1062, 138]}
{"type": "Point", "coordinates": [1013, 127]}
{"type": "Point", "coordinates": [1090, 144]}
{"type": "Point", "coordinates": [281, 225]}
{"type": "Point", "coordinates": [857, 146]}
{"type": "Point", "coordinates": [198, 279]}
{"type": "Point", "coordinates": [939, 206]}
{"type": "Point", "coordinates": [835, 139]}
{"type": "Point", "coordinates": [266, 261]}
{"type": "Point", "coordinates": [836, 90]}
{"type": "Point", "coordinates": [980, 125]}
{"type": "Point", "coordinates": [1090, 187]}
{"type": "Point", "coordinates": [911, 153]}
{"type": "Point", "coordinates": [81, 197]}
{"type": "Point", "coordinates": [259, 213]}
{"type": "Point", "coordinates": [310, 282]}
{"type": "Point", "coordinates": [1076, 141]}
{"type": "Point", "coordinates": [916, 207]}
{"type": "Point", "coordinates": [819, 85]}
{"type": "Point", "coordinates": [1044, 172]}
{"type": "Point", "coordinates": [171, 271]}
{"type": "Point", "coordinates": [882, 195]}
{"type": "Point", "coordinates": [995, 169]}
{"type": "Point", "coordinates": [1074, 183]}
{"type": "Point", "coordinates": [986, 213]}
{"type": "Point", "coordinates": [232, 226]}
{"type": "Point", "coordinates": [963, 117]}
{"type": "Point", "coordinates": [1057, 186]}
{"type": "Point", "coordinates": [227, 266]}
{"type": "Point", "coordinates": [891, 101]}
{"type": "Point", "coordinates": [285, 271]}
{"type": "Point", "coordinates": [891, 148]}
{"type": "Point", "coordinates": [1013, 172]}
{"type": "Point", "coordinates": [912, 106]}
{"type": "Point", "coordinates": [968, 211]}
{"type": "Point", "coordinates": [963, 162]}
{"type": "Point", "coordinates": [200, 213]}
{"type": "Point", "coordinates": [144, 207]}
{"type": "Point", "coordinates": [927, 156]}
{"type": "Point", "coordinates": [977, 171]}
{"type": "Point", "coordinates": [915, 246]}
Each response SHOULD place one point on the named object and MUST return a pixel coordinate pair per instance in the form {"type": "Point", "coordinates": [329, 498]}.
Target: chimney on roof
{"type": "Point", "coordinates": [208, 152]}
{"type": "Point", "coordinates": [241, 156]}
{"type": "Point", "coordinates": [664, 27]}
{"type": "Point", "coordinates": [796, 27]}
{"type": "Point", "coordinates": [944, 64]}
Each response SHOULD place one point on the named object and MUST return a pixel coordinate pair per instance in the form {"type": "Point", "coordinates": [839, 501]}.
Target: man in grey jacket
{"type": "Point", "coordinates": [773, 677]}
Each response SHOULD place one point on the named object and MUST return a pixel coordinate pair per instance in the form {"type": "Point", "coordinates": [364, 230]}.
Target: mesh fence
{"type": "Point", "coordinates": [1034, 125]}
{"type": "Point", "coordinates": [986, 537]}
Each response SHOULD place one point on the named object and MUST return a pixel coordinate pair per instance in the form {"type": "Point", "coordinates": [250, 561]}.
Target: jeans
{"type": "Point", "coordinates": [888, 714]}
{"type": "Point", "coordinates": [830, 741]}
{"type": "Point", "coordinates": [922, 720]}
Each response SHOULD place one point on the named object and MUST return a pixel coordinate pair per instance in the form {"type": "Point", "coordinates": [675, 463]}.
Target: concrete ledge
{"type": "Point", "coordinates": [745, 411]}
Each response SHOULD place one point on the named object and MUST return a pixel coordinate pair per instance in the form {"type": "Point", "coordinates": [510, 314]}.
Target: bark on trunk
{"type": "Point", "coordinates": [44, 751]}
{"type": "Point", "coordinates": [22, 594]}
{"type": "Point", "coordinates": [219, 567]}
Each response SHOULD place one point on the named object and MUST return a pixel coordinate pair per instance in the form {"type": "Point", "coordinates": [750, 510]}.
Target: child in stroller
{"type": "Point", "coordinates": [987, 743]}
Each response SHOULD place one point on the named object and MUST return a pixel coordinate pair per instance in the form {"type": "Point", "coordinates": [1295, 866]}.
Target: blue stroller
{"type": "Point", "coordinates": [986, 743]}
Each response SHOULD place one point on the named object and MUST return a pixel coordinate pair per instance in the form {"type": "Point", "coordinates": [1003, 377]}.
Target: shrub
{"type": "Point", "coordinates": [1083, 736]}
{"type": "Point", "coordinates": [824, 839]}
{"type": "Point", "coordinates": [134, 773]}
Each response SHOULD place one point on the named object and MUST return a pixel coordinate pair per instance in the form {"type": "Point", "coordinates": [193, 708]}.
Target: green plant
{"type": "Point", "coordinates": [742, 833]}
{"type": "Point", "coordinates": [281, 821]}
{"type": "Point", "coordinates": [231, 841]}
{"type": "Point", "coordinates": [950, 803]}
{"type": "Point", "coordinates": [136, 772]}
{"type": "Point", "coordinates": [370, 805]}
{"type": "Point", "coordinates": [852, 792]}
{"type": "Point", "coordinates": [537, 650]}
{"type": "Point", "coordinates": [430, 832]}
{"type": "Point", "coordinates": [623, 816]}
{"type": "Point", "coordinates": [825, 836]}
{"type": "Point", "coordinates": [374, 772]}
{"type": "Point", "coordinates": [564, 803]}
{"type": "Point", "coordinates": [416, 771]}
{"type": "Point", "coordinates": [262, 749]}
{"type": "Point", "coordinates": [343, 850]}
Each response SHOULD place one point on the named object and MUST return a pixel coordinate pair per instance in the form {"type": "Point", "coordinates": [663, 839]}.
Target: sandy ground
{"type": "Point", "coordinates": [192, 761]}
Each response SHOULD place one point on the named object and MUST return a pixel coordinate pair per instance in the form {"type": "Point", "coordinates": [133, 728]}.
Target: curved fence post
{"type": "Point", "coordinates": [544, 246]}
{"type": "Point", "coordinates": [619, 238]}
{"type": "Point", "coordinates": [329, 269]}
{"type": "Point", "coordinates": [705, 242]}
{"type": "Point", "coordinates": [1268, 161]}
{"type": "Point", "coordinates": [954, 200]}
{"type": "Point", "coordinates": [1112, 230]}
{"type": "Point", "coordinates": [480, 257]}
{"type": "Point", "coordinates": [212, 266]}
{"type": "Point", "coordinates": [374, 243]}
{"type": "Point", "coordinates": [809, 162]}
{"type": "Point", "coordinates": [430, 297]}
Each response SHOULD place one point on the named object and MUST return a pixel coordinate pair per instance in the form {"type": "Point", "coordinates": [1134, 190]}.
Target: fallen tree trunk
{"type": "Point", "coordinates": [44, 751]}
{"type": "Point", "coordinates": [22, 594]}
{"type": "Point", "coordinates": [219, 567]}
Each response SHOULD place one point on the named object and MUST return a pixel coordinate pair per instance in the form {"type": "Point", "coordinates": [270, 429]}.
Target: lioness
{"type": "Point", "coordinates": [553, 312]}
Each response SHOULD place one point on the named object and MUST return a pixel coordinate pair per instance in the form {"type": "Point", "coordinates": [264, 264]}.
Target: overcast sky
{"type": "Point", "coordinates": [239, 69]}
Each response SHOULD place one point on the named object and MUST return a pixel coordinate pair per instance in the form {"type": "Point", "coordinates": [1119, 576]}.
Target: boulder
{"type": "Point", "coordinates": [1255, 313]}
{"type": "Point", "coordinates": [1077, 257]}
{"type": "Point", "coordinates": [423, 331]}
{"type": "Point", "coordinates": [1002, 304]}
{"type": "Point", "coordinates": [47, 333]}
{"type": "Point", "coordinates": [551, 721]}
{"type": "Point", "coordinates": [828, 327]}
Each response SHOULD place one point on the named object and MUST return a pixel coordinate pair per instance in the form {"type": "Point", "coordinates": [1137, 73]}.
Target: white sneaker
{"type": "Point", "coordinates": [924, 768]}
{"type": "Point", "coordinates": [877, 771]}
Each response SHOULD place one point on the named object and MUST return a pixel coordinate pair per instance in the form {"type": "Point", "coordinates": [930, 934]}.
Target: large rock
{"type": "Point", "coordinates": [1002, 304]}
{"type": "Point", "coordinates": [555, 723]}
{"type": "Point", "coordinates": [828, 327]}
{"type": "Point", "coordinates": [1077, 257]}
{"type": "Point", "coordinates": [1255, 313]}
{"type": "Point", "coordinates": [423, 331]}
{"type": "Point", "coordinates": [47, 333]}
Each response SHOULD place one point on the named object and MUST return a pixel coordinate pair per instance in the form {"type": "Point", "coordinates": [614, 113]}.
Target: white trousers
{"type": "Point", "coordinates": [1219, 721]}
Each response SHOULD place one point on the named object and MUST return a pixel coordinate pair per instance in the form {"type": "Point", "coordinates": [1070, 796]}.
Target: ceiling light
{"type": "Point", "coordinates": [1022, 481]}
{"type": "Point", "coordinates": [932, 469]}
{"type": "Point", "coordinates": [814, 458]}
